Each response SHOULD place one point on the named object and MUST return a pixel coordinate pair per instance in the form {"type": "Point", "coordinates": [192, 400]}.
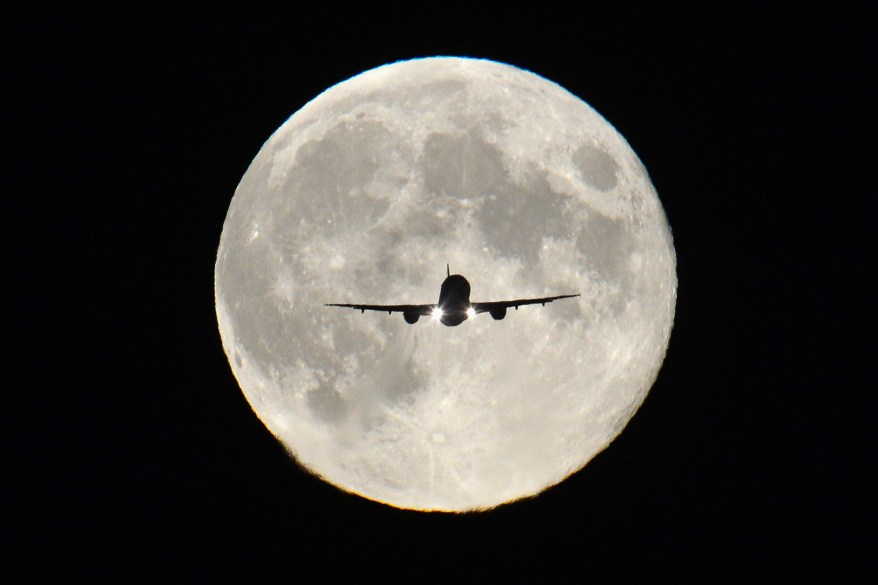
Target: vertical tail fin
{"type": "Point", "coordinates": [447, 270]}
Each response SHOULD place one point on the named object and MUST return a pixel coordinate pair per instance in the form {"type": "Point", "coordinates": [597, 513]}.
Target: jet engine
{"type": "Point", "coordinates": [498, 313]}
{"type": "Point", "coordinates": [411, 318]}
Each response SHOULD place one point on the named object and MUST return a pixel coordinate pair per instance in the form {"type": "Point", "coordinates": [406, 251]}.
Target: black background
{"type": "Point", "coordinates": [131, 452]}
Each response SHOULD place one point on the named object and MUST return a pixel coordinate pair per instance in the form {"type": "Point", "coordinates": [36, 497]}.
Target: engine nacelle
{"type": "Point", "coordinates": [498, 313]}
{"type": "Point", "coordinates": [411, 318]}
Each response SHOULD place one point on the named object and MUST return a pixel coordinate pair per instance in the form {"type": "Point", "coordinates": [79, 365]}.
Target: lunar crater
{"type": "Point", "coordinates": [596, 167]}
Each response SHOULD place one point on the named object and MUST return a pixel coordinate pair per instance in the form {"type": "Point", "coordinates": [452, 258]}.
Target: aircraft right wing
{"type": "Point", "coordinates": [498, 308]}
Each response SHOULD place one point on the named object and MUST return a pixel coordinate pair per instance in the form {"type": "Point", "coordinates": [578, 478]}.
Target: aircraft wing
{"type": "Point", "coordinates": [422, 310]}
{"type": "Point", "coordinates": [488, 307]}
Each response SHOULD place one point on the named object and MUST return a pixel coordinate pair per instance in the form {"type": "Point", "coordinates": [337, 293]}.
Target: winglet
{"type": "Point", "coordinates": [447, 270]}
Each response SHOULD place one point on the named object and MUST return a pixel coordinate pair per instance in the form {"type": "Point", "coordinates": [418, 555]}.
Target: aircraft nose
{"type": "Point", "coordinates": [453, 319]}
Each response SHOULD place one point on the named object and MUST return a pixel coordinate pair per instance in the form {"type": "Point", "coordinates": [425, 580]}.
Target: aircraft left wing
{"type": "Point", "coordinates": [422, 310]}
{"type": "Point", "coordinates": [494, 307]}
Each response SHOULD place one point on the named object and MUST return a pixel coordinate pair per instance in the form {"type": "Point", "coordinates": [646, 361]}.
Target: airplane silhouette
{"type": "Point", "coordinates": [454, 306]}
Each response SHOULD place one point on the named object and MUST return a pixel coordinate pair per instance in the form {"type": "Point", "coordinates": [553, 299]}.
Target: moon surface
{"type": "Point", "coordinates": [363, 196]}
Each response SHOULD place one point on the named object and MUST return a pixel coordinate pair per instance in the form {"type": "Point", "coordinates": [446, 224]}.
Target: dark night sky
{"type": "Point", "coordinates": [131, 450]}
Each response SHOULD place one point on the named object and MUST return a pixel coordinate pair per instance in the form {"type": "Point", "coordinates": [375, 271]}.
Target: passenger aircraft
{"type": "Point", "coordinates": [454, 306]}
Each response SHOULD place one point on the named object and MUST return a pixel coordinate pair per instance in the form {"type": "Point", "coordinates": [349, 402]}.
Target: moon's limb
{"type": "Point", "coordinates": [363, 196]}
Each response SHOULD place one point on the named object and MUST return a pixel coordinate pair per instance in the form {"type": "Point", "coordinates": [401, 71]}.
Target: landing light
{"type": "Point", "coordinates": [470, 312]}
{"type": "Point", "coordinates": [437, 313]}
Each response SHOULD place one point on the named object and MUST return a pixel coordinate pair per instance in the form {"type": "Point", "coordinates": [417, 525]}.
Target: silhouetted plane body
{"type": "Point", "coordinates": [454, 306]}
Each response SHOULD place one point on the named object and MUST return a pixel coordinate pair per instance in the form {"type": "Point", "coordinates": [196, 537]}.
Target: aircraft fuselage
{"type": "Point", "coordinates": [454, 300]}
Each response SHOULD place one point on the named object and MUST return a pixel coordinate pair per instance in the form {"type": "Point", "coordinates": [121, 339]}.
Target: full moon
{"type": "Point", "coordinates": [363, 196]}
